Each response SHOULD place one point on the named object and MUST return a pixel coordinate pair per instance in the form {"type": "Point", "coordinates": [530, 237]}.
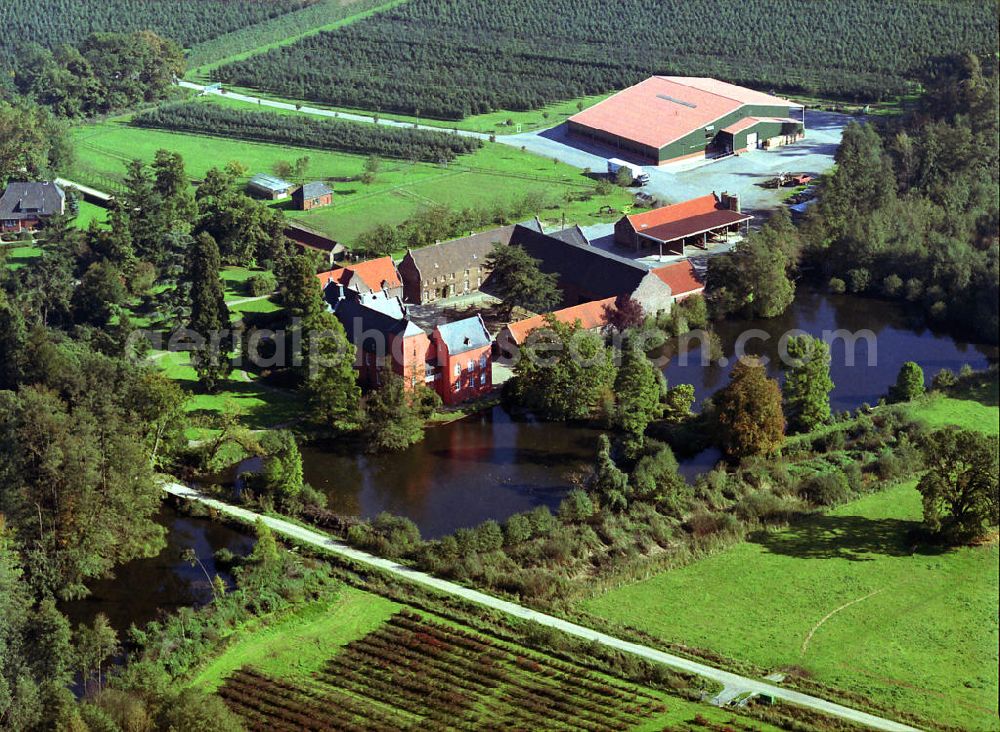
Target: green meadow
{"type": "Point", "coordinates": [493, 174]}
{"type": "Point", "coordinates": [848, 598]}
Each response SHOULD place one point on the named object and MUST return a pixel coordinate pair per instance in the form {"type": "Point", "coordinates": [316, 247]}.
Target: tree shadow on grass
{"type": "Point", "coordinates": [854, 538]}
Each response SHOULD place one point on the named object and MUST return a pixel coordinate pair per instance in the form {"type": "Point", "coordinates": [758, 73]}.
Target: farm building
{"type": "Point", "coordinates": [268, 186]}
{"type": "Point", "coordinates": [590, 315]}
{"type": "Point", "coordinates": [669, 228]}
{"type": "Point", "coordinates": [24, 206]}
{"type": "Point", "coordinates": [375, 275]}
{"type": "Point", "coordinates": [333, 251]}
{"type": "Point", "coordinates": [681, 278]}
{"type": "Point", "coordinates": [669, 118]}
{"type": "Point", "coordinates": [312, 195]}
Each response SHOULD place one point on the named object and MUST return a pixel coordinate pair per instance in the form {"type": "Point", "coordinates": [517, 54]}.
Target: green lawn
{"type": "Point", "coordinates": [925, 641]}
{"type": "Point", "coordinates": [298, 644]}
{"type": "Point", "coordinates": [90, 212]}
{"type": "Point", "coordinates": [974, 407]}
{"type": "Point", "coordinates": [494, 173]}
{"type": "Point", "coordinates": [20, 254]}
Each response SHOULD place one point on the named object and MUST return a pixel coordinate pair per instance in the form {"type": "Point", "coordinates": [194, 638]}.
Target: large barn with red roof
{"type": "Point", "coordinates": [668, 118]}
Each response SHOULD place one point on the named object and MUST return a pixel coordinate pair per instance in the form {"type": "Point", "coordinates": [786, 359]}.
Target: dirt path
{"type": "Point", "coordinates": [805, 643]}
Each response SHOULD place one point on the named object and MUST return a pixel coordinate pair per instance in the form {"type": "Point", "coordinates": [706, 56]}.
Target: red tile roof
{"type": "Point", "coordinates": [662, 109]}
{"type": "Point", "coordinates": [680, 277]}
{"type": "Point", "coordinates": [373, 273]}
{"type": "Point", "coordinates": [590, 314]}
{"type": "Point", "coordinates": [741, 125]}
{"type": "Point", "coordinates": [684, 219]}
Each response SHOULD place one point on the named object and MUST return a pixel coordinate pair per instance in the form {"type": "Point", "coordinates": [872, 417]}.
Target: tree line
{"type": "Point", "coordinates": [104, 73]}
{"type": "Point", "coordinates": [57, 22]}
{"type": "Point", "coordinates": [473, 56]}
{"type": "Point", "coordinates": [911, 212]}
{"type": "Point", "coordinates": [302, 131]}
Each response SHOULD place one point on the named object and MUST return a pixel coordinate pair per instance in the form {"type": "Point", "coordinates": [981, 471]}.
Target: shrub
{"type": "Point", "coordinates": [859, 279]}
{"type": "Point", "coordinates": [261, 284]}
{"type": "Point", "coordinates": [837, 286]}
{"type": "Point", "coordinates": [764, 508]}
{"type": "Point", "coordinates": [888, 465]}
{"type": "Point", "coordinates": [825, 489]}
{"type": "Point", "coordinates": [892, 285]}
{"type": "Point", "coordinates": [944, 379]}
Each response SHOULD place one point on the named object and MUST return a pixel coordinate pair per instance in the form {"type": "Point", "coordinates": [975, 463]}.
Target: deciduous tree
{"type": "Point", "coordinates": [749, 420]}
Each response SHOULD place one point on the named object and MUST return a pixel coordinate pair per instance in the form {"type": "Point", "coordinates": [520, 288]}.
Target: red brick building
{"type": "Point", "coordinates": [312, 195]}
{"type": "Point", "coordinates": [464, 359]}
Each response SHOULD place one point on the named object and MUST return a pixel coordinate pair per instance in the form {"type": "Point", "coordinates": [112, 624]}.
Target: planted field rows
{"type": "Point", "coordinates": [413, 673]}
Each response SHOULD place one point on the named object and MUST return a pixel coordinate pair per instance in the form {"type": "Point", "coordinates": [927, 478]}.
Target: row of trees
{"type": "Point", "coordinates": [106, 72]}
{"type": "Point", "coordinates": [473, 56]}
{"type": "Point", "coordinates": [302, 131]}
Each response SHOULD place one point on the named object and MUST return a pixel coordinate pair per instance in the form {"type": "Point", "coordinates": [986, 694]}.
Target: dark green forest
{"type": "Point", "coordinates": [461, 57]}
{"type": "Point", "coordinates": [911, 211]}
{"type": "Point", "coordinates": [54, 22]}
{"type": "Point", "coordinates": [326, 134]}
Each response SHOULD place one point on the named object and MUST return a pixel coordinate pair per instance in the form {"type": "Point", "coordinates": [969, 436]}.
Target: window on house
{"type": "Point", "coordinates": [482, 379]}
{"type": "Point", "coordinates": [482, 361]}
{"type": "Point", "coordinates": [458, 369]}
{"type": "Point", "coordinates": [471, 365]}
{"type": "Point", "coordinates": [458, 385]}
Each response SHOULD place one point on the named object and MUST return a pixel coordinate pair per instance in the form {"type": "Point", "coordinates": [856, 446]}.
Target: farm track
{"type": "Point", "coordinates": [729, 680]}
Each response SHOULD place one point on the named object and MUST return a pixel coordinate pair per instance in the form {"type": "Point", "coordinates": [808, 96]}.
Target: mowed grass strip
{"type": "Point", "coordinates": [298, 644]}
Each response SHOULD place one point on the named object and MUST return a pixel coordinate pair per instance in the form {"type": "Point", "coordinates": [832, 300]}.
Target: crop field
{"type": "Point", "coordinates": [847, 599]}
{"type": "Point", "coordinates": [53, 22]}
{"type": "Point", "coordinates": [473, 56]}
{"type": "Point", "coordinates": [416, 673]}
{"type": "Point", "coordinates": [494, 173]}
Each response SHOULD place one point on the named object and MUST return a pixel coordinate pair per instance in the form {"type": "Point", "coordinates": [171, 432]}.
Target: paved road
{"type": "Point", "coordinates": [316, 111]}
{"type": "Point", "coordinates": [733, 683]}
{"type": "Point", "coordinates": [85, 190]}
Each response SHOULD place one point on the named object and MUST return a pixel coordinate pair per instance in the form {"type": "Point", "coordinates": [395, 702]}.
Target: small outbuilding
{"type": "Point", "coordinates": [312, 195]}
{"type": "Point", "coordinates": [669, 228]}
{"type": "Point", "coordinates": [267, 186]}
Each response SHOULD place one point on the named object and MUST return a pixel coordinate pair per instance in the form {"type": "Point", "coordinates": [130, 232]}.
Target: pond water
{"type": "Point", "coordinates": [144, 588]}
{"type": "Point", "coordinates": [492, 465]}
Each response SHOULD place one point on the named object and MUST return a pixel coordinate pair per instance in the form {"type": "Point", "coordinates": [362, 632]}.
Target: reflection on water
{"type": "Point", "coordinates": [143, 587]}
{"type": "Point", "coordinates": [492, 466]}
{"type": "Point", "coordinates": [898, 337]}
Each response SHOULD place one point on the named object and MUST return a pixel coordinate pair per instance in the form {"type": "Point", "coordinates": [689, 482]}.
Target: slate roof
{"type": "Point", "coordinates": [315, 189]}
{"type": "Point", "coordinates": [680, 277]}
{"type": "Point", "coordinates": [21, 200]}
{"type": "Point", "coordinates": [590, 269]}
{"type": "Point", "coordinates": [464, 335]}
{"type": "Point", "coordinates": [360, 314]}
{"type": "Point", "coordinates": [688, 218]}
{"type": "Point", "coordinates": [571, 235]}
{"type": "Point", "coordinates": [663, 109]}
{"type": "Point", "coordinates": [456, 255]}
{"type": "Point", "coordinates": [590, 314]}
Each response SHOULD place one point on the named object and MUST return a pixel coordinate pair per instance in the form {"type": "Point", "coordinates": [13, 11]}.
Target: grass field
{"type": "Point", "coordinates": [90, 212]}
{"type": "Point", "coordinates": [921, 634]}
{"type": "Point", "coordinates": [297, 645]}
{"type": "Point", "coordinates": [494, 173]}
{"type": "Point", "coordinates": [972, 408]}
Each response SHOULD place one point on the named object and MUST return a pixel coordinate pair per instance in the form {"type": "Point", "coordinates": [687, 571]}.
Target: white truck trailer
{"type": "Point", "coordinates": [639, 176]}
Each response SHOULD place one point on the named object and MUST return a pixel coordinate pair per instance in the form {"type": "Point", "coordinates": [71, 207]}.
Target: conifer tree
{"type": "Point", "coordinates": [209, 314]}
{"type": "Point", "coordinates": [638, 390]}
{"type": "Point", "coordinates": [807, 384]}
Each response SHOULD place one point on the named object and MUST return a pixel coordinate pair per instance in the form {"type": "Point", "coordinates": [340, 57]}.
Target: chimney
{"type": "Point", "coordinates": [731, 201]}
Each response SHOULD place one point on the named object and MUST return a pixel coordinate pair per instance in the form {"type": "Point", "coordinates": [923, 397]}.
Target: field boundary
{"type": "Point", "coordinates": [726, 678]}
{"type": "Point", "coordinates": [812, 631]}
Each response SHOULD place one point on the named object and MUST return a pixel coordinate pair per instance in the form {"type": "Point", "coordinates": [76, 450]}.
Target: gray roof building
{"type": "Point", "coordinates": [464, 335]}
{"type": "Point", "coordinates": [315, 189]}
{"type": "Point", "coordinates": [31, 200]}
{"type": "Point", "coordinates": [269, 185]}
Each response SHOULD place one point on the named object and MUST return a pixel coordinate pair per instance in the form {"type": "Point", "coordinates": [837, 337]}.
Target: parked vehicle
{"type": "Point", "coordinates": [639, 176]}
